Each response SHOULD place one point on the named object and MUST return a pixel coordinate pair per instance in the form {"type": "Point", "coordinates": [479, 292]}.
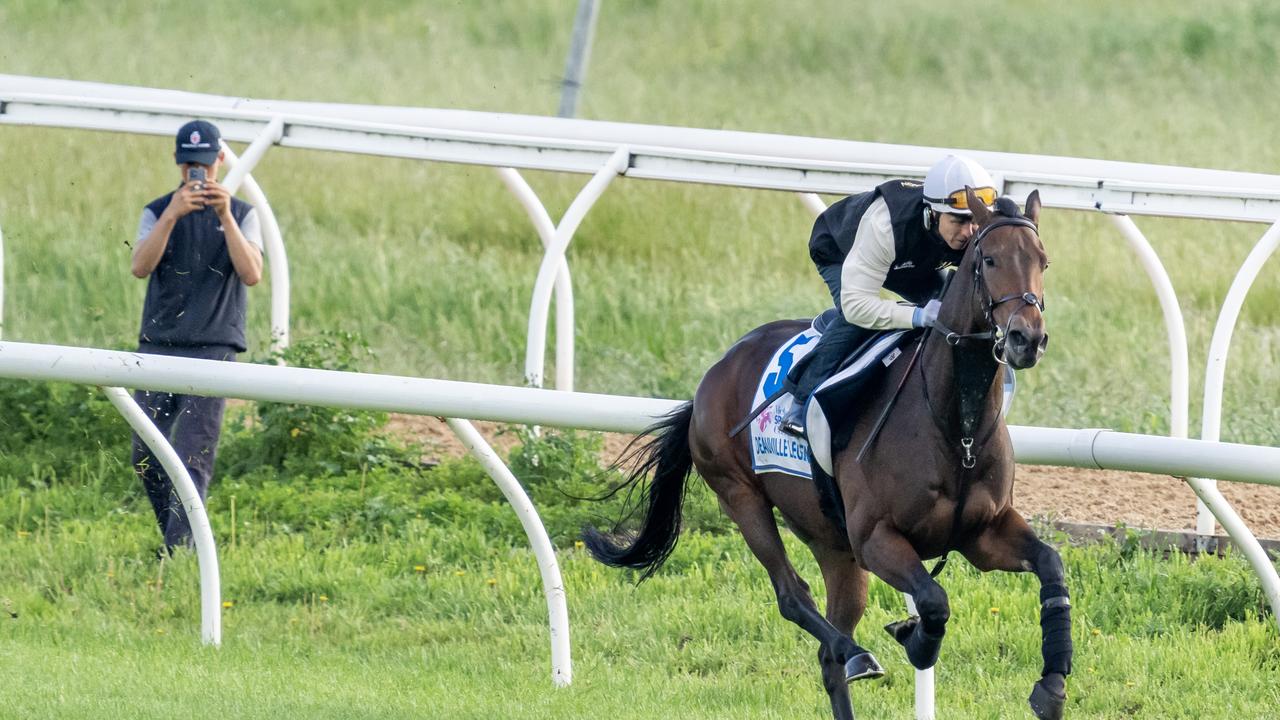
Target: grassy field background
{"type": "Point", "coordinates": [434, 264]}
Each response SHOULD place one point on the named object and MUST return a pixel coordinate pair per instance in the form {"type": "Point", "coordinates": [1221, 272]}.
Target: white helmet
{"type": "Point", "coordinates": [945, 183]}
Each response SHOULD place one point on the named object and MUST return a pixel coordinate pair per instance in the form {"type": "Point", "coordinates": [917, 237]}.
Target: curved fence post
{"type": "Point", "coordinates": [537, 213]}
{"type": "Point", "coordinates": [272, 241]}
{"type": "Point", "coordinates": [201, 533]}
{"type": "Point", "coordinates": [245, 164]}
{"type": "Point", "coordinates": [554, 255]}
{"type": "Point", "coordinates": [925, 696]}
{"type": "Point", "coordinates": [1174, 325]}
{"type": "Point", "coordinates": [552, 583]}
{"type": "Point", "coordinates": [812, 202]}
{"type": "Point", "coordinates": [1211, 423]}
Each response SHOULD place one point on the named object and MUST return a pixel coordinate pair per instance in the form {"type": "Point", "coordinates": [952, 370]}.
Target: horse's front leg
{"type": "Point", "coordinates": [890, 556]}
{"type": "Point", "coordinates": [1010, 544]}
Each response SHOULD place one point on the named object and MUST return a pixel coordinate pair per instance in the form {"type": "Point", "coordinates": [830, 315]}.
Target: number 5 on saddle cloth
{"type": "Point", "coordinates": [773, 450]}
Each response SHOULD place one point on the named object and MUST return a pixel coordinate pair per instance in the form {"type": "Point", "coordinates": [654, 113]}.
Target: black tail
{"type": "Point", "coordinates": [667, 455]}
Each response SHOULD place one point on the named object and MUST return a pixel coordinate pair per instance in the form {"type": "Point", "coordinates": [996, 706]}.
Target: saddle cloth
{"type": "Point", "coordinates": [773, 450]}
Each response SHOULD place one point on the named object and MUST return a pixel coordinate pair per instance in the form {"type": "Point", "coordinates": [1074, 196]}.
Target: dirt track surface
{"type": "Point", "coordinates": [1055, 493]}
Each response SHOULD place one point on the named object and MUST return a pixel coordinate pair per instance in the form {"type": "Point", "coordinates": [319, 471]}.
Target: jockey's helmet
{"type": "Point", "coordinates": [944, 185]}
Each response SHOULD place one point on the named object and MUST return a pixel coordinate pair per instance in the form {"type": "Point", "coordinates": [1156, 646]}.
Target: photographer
{"type": "Point", "coordinates": [200, 249]}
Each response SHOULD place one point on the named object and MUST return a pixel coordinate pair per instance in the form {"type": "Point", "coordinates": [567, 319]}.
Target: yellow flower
{"type": "Point", "coordinates": [110, 574]}
{"type": "Point", "coordinates": [295, 432]}
{"type": "Point", "coordinates": [159, 631]}
{"type": "Point", "coordinates": [22, 534]}
{"type": "Point", "coordinates": [1096, 631]}
{"type": "Point", "coordinates": [492, 581]}
{"type": "Point", "coordinates": [995, 611]}
{"type": "Point", "coordinates": [324, 598]}
{"type": "Point", "coordinates": [420, 568]}
{"type": "Point", "coordinates": [227, 604]}
{"type": "Point", "coordinates": [459, 573]}
{"type": "Point", "coordinates": [579, 544]}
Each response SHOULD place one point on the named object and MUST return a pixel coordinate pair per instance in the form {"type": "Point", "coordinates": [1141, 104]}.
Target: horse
{"type": "Point", "coordinates": [934, 473]}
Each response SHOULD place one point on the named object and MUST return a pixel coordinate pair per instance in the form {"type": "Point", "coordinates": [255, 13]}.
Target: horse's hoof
{"type": "Point", "coordinates": [902, 629]}
{"type": "Point", "coordinates": [1047, 705]}
{"type": "Point", "coordinates": [863, 667]}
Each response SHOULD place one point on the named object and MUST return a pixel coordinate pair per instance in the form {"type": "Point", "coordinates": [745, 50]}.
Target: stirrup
{"type": "Point", "coordinates": [793, 422]}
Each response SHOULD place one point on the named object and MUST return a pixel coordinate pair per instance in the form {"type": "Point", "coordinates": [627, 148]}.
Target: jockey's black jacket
{"type": "Point", "coordinates": [918, 251]}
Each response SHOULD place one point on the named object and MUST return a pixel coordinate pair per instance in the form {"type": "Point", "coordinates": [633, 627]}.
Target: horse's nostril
{"type": "Point", "coordinates": [1044, 341]}
{"type": "Point", "coordinates": [1017, 339]}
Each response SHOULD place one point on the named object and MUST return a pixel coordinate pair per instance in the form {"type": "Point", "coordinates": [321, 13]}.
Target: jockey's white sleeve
{"type": "Point", "coordinates": [864, 271]}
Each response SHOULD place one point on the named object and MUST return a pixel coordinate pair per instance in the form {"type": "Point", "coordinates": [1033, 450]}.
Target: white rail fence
{"type": "Point", "coordinates": [113, 369]}
{"type": "Point", "coordinates": [605, 150]}
{"type": "Point", "coordinates": [806, 166]}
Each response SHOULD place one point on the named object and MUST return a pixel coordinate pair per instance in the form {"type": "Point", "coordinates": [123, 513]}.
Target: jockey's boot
{"type": "Point", "coordinates": [793, 422]}
{"type": "Point", "coordinates": [840, 339]}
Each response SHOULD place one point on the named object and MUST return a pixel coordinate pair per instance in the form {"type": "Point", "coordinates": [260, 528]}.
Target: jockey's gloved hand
{"type": "Point", "coordinates": [926, 316]}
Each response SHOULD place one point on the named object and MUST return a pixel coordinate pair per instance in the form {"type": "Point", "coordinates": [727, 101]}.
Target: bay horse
{"type": "Point", "coordinates": [937, 477]}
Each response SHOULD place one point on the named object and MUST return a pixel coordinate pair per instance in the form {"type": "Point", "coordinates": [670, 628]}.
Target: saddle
{"type": "Point", "coordinates": [833, 405]}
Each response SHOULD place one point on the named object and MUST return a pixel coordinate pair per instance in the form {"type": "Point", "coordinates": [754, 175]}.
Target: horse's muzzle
{"type": "Point", "coordinates": [1023, 347]}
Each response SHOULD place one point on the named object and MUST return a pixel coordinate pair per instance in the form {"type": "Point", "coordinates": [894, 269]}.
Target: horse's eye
{"type": "Point", "coordinates": [988, 261]}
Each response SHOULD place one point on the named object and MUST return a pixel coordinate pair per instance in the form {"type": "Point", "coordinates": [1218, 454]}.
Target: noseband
{"type": "Point", "coordinates": [996, 334]}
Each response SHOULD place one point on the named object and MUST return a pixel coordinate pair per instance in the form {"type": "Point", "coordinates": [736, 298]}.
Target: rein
{"type": "Point", "coordinates": [996, 334]}
{"type": "Point", "coordinates": [973, 377]}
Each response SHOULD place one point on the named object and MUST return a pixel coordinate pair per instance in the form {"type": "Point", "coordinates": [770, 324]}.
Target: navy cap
{"type": "Point", "coordinates": [197, 142]}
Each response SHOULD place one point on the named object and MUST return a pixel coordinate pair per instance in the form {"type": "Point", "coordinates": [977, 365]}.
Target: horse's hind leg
{"type": "Point", "coordinates": [1010, 544]}
{"type": "Point", "coordinates": [846, 583]}
{"type": "Point", "coordinates": [889, 555]}
{"type": "Point", "coordinates": [753, 514]}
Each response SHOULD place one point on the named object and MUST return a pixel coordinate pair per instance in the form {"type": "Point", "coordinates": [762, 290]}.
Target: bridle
{"type": "Point", "coordinates": [996, 334]}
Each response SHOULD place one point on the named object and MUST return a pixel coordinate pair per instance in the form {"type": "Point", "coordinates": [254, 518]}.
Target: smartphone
{"type": "Point", "coordinates": [197, 175]}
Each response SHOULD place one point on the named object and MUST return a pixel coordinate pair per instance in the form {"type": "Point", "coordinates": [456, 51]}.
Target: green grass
{"type": "Point", "coordinates": [434, 265]}
{"type": "Point", "coordinates": [332, 617]}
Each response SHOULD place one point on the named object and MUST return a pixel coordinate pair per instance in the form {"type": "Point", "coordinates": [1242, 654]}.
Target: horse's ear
{"type": "Point", "coordinates": [1033, 207]}
{"type": "Point", "coordinates": [981, 214]}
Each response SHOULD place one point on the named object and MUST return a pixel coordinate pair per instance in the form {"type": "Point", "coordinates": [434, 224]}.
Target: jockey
{"type": "Point", "coordinates": [897, 237]}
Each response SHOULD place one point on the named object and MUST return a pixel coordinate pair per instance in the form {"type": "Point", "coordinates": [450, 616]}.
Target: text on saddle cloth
{"type": "Point", "coordinates": [773, 450]}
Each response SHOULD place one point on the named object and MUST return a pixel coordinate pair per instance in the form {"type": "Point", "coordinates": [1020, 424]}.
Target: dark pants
{"type": "Point", "coordinates": [837, 341]}
{"type": "Point", "coordinates": [193, 425]}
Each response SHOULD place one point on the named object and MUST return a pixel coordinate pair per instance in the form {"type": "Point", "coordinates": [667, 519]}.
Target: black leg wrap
{"type": "Point", "coordinates": [1055, 629]}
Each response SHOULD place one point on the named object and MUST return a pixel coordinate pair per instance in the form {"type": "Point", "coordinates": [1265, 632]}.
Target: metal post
{"type": "Point", "coordinates": [201, 533]}
{"type": "Point", "coordinates": [925, 705]}
{"type": "Point", "coordinates": [812, 202]}
{"type": "Point", "coordinates": [552, 583]}
{"type": "Point", "coordinates": [1175, 327]}
{"type": "Point", "coordinates": [269, 136]}
{"type": "Point", "coordinates": [1216, 369]}
{"type": "Point", "coordinates": [537, 212]}
{"type": "Point", "coordinates": [554, 255]}
{"type": "Point", "coordinates": [273, 245]}
{"type": "Point", "coordinates": [575, 71]}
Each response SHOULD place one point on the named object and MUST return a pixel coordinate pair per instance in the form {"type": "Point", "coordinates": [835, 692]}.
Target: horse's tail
{"type": "Point", "coordinates": [667, 455]}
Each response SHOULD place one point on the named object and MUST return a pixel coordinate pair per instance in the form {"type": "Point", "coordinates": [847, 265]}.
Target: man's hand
{"type": "Point", "coordinates": [217, 197]}
{"type": "Point", "coordinates": [926, 316]}
{"type": "Point", "coordinates": [186, 200]}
